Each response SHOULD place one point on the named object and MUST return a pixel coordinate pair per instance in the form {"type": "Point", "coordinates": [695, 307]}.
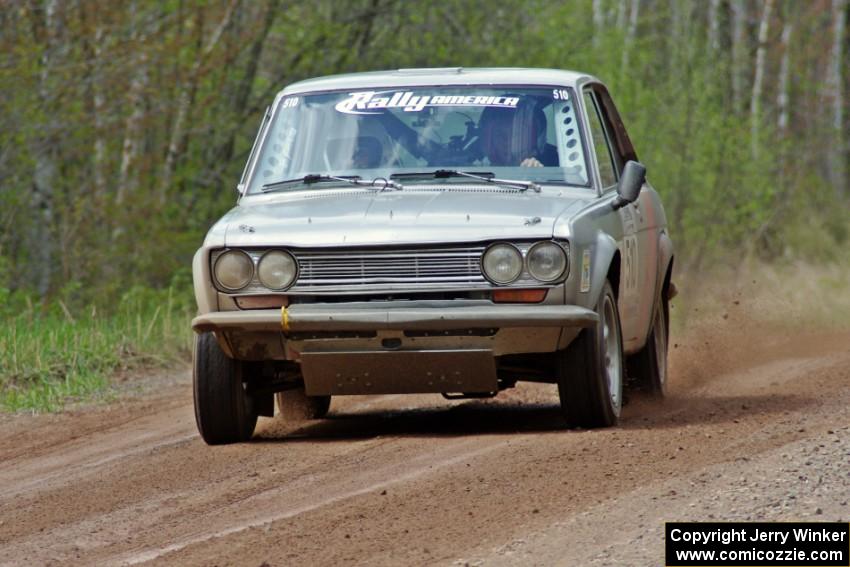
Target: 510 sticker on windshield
{"type": "Point", "coordinates": [561, 94]}
{"type": "Point", "coordinates": [289, 102]}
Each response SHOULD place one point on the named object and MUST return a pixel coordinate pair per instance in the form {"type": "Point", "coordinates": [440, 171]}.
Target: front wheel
{"type": "Point", "coordinates": [224, 412]}
{"type": "Point", "coordinates": [590, 369]}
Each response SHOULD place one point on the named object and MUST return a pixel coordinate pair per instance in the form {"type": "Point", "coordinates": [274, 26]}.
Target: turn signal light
{"type": "Point", "coordinates": [519, 295]}
{"type": "Point", "coordinates": [262, 301]}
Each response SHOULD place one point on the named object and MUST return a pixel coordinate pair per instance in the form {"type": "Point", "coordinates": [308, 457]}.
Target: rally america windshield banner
{"type": "Point", "coordinates": [372, 102]}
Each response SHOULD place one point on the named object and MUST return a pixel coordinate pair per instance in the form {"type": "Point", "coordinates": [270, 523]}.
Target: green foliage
{"type": "Point", "coordinates": [140, 117]}
{"type": "Point", "coordinates": [49, 358]}
{"type": "Point", "coordinates": [65, 87]}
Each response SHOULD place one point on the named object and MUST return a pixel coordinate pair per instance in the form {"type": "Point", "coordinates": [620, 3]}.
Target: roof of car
{"type": "Point", "coordinates": [440, 76]}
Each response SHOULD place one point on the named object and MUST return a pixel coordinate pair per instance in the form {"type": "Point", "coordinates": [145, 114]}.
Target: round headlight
{"type": "Point", "coordinates": [502, 263]}
{"type": "Point", "coordinates": [547, 261]}
{"type": "Point", "coordinates": [277, 269]}
{"type": "Point", "coordinates": [234, 270]}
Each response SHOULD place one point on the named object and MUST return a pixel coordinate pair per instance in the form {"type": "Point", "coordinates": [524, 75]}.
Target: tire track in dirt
{"type": "Point", "coordinates": [85, 455]}
{"type": "Point", "coordinates": [265, 507]}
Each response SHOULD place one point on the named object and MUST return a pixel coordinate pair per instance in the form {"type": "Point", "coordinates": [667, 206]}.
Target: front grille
{"type": "Point", "coordinates": [400, 273]}
{"type": "Point", "coordinates": [365, 271]}
{"type": "Point", "coordinates": [452, 266]}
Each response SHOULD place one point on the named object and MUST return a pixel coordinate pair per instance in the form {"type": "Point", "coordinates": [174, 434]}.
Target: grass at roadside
{"type": "Point", "coordinates": [49, 358]}
{"type": "Point", "coordinates": [791, 295]}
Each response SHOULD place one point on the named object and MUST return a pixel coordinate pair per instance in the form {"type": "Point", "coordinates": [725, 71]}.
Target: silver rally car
{"type": "Point", "coordinates": [447, 231]}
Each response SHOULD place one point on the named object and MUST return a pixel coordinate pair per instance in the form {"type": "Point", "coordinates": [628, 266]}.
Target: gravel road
{"type": "Point", "coordinates": [757, 426]}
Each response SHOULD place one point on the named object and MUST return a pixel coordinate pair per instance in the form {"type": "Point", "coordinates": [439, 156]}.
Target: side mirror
{"type": "Point", "coordinates": [631, 181]}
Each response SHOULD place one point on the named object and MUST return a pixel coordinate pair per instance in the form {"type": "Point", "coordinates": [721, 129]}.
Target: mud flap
{"type": "Point", "coordinates": [263, 403]}
{"type": "Point", "coordinates": [399, 372]}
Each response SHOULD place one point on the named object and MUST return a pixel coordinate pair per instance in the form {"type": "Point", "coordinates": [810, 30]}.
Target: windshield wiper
{"type": "Point", "coordinates": [379, 182]}
{"type": "Point", "coordinates": [481, 176]}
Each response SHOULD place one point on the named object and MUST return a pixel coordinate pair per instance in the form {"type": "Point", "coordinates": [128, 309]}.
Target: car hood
{"type": "Point", "coordinates": [412, 216]}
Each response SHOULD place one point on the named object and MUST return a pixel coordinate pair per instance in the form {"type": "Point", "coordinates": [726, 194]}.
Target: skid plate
{"type": "Point", "coordinates": [399, 372]}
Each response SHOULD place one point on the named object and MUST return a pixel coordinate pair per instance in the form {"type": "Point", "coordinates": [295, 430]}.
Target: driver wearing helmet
{"type": "Point", "coordinates": [516, 137]}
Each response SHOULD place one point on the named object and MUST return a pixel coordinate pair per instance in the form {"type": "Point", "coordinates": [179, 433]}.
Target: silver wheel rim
{"type": "Point", "coordinates": [661, 346]}
{"type": "Point", "coordinates": [613, 362]}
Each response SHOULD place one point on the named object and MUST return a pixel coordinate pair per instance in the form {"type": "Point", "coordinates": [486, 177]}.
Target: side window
{"type": "Point", "coordinates": [600, 144]}
{"type": "Point", "coordinates": [621, 144]}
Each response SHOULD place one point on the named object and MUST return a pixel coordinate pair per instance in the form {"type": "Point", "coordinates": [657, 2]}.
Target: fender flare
{"type": "Point", "coordinates": [604, 255]}
{"type": "Point", "coordinates": [665, 260]}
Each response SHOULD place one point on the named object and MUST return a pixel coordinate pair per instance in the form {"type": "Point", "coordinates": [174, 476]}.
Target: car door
{"type": "Point", "coordinates": [643, 245]}
{"type": "Point", "coordinates": [638, 249]}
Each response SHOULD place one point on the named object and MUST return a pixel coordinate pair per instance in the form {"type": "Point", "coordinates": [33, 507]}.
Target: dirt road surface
{"type": "Point", "coordinates": [757, 426]}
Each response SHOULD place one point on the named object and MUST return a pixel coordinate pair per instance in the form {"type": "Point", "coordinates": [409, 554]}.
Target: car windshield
{"type": "Point", "coordinates": [509, 132]}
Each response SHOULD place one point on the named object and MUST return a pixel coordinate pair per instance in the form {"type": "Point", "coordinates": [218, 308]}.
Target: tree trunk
{"type": "Point", "coordinates": [739, 52]}
{"type": "Point", "coordinates": [631, 32]}
{"type": "Point", "coordinates": [782, 97]}
{"type": "Point", "coordinates": [621, 15]}
{"type": "Point", "coordinates": [755, 99]}
{"type": "Point", "coordinates": [93, 40]}
{"type": "Point", "coordinates": [99, 108]}
{"type": "Point", "coordinates": [680, 45]}
{"type": "Point", "coordinates": [136, 94]}
{"type": "Point", "coordinates": [714, 25]}
{"type": "Point", "coordinates": [598, 22]}
{"type": "Point", "coordinates": [835, 94]}
{"type": "Point", "coordinates": [242, 91]}
{"type": "Point", "coordinates": [676, 24]}
{"type": "Point", "coordinates": [184, 103]}
{"type": "Point", "coordinates": [44, 152]}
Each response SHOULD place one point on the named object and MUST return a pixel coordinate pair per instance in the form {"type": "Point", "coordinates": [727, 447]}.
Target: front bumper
{"type": "Point", "coordinates": [396, 347]}
{"type": "Point", "coordinates": [366, 316]}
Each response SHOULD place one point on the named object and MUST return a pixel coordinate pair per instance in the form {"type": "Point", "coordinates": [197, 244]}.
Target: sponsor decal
{"type": "Point", "coordinates": [373, 102]}
{"type": "Point", "coordinates": [585, 271]}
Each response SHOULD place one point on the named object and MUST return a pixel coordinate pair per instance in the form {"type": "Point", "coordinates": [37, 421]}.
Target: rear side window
{"type": "Point", "coordinates": [607, 171]}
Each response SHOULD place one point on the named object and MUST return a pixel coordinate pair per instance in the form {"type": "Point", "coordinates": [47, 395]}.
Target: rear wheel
{"type": "Point", "coordinates": [649, 366]}
{"type": "Point", "coordinates": [295, 405]}
{"type": "Point", "coordinates": [224, 412]}
{"type": "Point", "coordinates": [590, 370]}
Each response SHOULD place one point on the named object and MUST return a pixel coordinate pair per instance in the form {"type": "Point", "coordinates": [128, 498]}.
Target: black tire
{"type": "Point", "coordinates": [590, 369]}
{"type": "Point", "coordinates": [649, 366]}
{"type": "Point", "coordinates": [296, 406]}
{"type": "Point", "coordinates": [224, 412]}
